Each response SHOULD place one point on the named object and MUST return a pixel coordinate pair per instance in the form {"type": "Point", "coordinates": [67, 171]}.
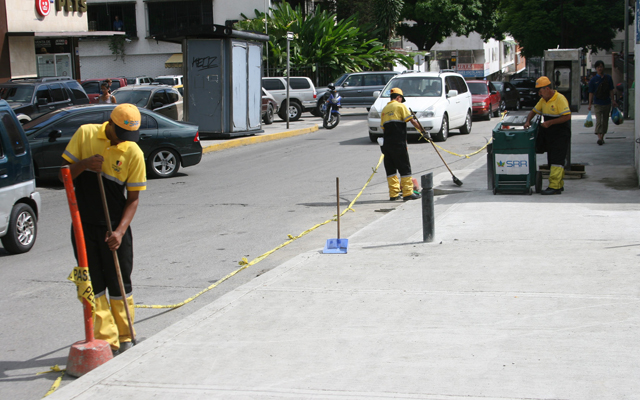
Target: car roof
{"type": "Point", "coordinates": [425, 74]}
{"type": "Point", "coordinates": [478, 80]}
{"type": "Point", "coordinates": [168, 76]}
{"type": "Point", "coordinates": [144, 87]}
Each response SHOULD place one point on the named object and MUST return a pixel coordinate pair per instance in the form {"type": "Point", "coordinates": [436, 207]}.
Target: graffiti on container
{"type": "Point", "coordinates": [202, 63]}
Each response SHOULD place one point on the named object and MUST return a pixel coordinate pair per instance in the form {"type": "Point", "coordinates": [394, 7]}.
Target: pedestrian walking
{"type": "Point", "coordinates": [395, 116]}
{"type": "Point", "coordinates": [556, 131]}
{"type": "Point", "coordinates": [601, 97]}
{"type": "Point", "coordinates": [106, 97]}
{"type": "Point", "coordinates": [109, 149]}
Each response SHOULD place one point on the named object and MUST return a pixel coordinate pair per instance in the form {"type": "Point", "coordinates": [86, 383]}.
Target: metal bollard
{"type": "Point", "coordinates": [490, 167]}
{"type": "Point", "coordinates": [428, 224]}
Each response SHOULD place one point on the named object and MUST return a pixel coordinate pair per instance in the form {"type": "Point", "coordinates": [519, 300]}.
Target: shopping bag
{"type": "Point", "coordinates": [589, 122]}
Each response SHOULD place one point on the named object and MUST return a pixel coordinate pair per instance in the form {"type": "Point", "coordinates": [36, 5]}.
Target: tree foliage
{"type": "Point", "coordinates": [320, 40]}
{"type": "Point", "coordinates": [538, 25]}
{"type": "Point", "coordinates": [435, 20]}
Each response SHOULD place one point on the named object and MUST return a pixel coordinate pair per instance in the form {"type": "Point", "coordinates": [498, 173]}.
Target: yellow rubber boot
{"type": "Point", "coordinates": [120, 316]}
{"type": "Point", "coordinates": [104, 327]}
{"type": "Point", "coordinates": [556, 175]}
{"type": "Point", "coordinates": [394, 186]}
{"type": "Point", "coordinates": [407, 186]}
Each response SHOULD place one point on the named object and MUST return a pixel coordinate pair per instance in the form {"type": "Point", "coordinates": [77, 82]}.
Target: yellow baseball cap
{"type": "Point", "coordinates": [542, 82]}
{"type": "Point", "coordinates": [126, 117]}
{"type": "Point", "coordinates": [396, 90]}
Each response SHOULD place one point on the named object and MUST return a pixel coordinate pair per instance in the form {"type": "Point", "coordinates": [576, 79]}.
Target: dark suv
{"type": "Point", "coordinates": [357, 88]}
{"type": "Point", "coordinates": [527, 89]}
{"type": "Point", "coordinates": [32, 97]}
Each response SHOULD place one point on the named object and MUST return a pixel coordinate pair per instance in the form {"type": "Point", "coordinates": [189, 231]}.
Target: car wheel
{"type": "Point", "coordinates": [295, 111]}
{"type": "Point", "coordinates": [268, 116]}
{"type": "Point", "coordinates": [488, 116]}
{"type": "Point", "coordinates": [444, 130]}
{"type": "Point", "coordinates": [518, 105]}
{"type": "Point", "coordinates": [503, 106]}
{"type": "Point", "coordinates": [373, 138]}
{"type": "Point", "coordinates": [22, 231]}
{"type": "Point", "coordinates": [466, 128]}
{"type": "Point", "coordinates": [496, 113]}
{"type": "Point", "coordinates": [163, 163]}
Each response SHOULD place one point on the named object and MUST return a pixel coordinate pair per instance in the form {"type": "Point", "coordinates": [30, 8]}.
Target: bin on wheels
{"type": "Point", "coordinates": [513, 156]}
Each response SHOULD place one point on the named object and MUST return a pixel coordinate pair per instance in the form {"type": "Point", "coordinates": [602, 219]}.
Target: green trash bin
{"type": "Point", "coordinates": [514, 156]}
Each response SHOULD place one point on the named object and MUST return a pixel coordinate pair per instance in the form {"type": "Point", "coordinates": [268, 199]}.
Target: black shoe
{"type": "Point", "coordinates": [115, 353]}
{"type": "Point", "coordinates": [600, 142]}
{"type": "Point", "coordinates": [549, 191]}
{"type": "Point", "coordinates": [124, 346]}
{"type": "Point", "coordinates": [412, 197]}
{"type": "Point", "coordinates": [394, 198]}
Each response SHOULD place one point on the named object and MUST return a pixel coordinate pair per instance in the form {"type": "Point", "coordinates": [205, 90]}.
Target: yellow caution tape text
{"type": "Point", "coordinates": [80, 276]}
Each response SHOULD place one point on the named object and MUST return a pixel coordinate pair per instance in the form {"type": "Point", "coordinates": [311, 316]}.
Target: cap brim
{"type": "Point", "coordinates": [125, 135]}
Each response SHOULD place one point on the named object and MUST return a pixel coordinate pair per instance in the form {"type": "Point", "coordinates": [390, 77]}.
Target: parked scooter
{"type": "Point", "coordinates": [330, 108]}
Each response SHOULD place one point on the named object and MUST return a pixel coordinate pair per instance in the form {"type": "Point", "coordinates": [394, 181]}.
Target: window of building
{"type": "Point", "coordinates": [167, 16]}
{"type": "Point", "coordinates": [102, 17]}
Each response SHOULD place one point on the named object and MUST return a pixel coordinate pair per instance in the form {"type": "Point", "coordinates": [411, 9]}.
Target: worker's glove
{"type": "Point", "coordinates": [426, 135]}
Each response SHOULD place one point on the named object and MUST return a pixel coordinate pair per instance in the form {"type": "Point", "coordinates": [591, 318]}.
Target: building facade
{"type": "Point", "coordinates": [140, 53]}
{"type": "Point", "coordinates": [40, 38]}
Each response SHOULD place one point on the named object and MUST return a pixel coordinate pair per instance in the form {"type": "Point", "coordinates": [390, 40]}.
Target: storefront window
{"type": "Point", "coordinates": [113, 17]}
{"type": "Point", "coordinates": [169, 16]}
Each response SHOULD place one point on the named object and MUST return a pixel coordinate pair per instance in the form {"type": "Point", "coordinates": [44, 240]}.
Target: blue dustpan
{"type": "Point", "coordinates": [337, 246]}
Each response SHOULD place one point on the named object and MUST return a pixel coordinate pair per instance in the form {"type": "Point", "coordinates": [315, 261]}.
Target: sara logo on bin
{"type": "Point", "coordinates": [512, 164]}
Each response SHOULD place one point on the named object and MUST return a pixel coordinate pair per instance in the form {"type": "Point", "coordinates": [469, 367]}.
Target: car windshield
{"type": "Point", "coordinates": [524, 84]}
{"type": "Point", "coordinates": [19, 94]}
{"type": "Point", "coordinates": [478, 87]}
{"type": "Point", "coordinates": [165, 81]}
{"type": "Point", "coordinates": [341, 79]}
{"type": "Point", "coordinates": [43, 120]}
{"type": "Point", "coordinates": [498, 85]}
{"type": "Point", "coordinates": [138, 97]}
{"type": "Point", "coordinates": [417, 86]}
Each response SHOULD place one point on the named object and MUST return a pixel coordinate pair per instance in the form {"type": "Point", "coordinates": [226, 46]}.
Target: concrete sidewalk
{"type": "Point", "coordinates": [518, 297]}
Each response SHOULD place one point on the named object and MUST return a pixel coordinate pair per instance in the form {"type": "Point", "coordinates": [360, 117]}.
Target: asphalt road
{"type": "Point", "coordinates": [193, 229]}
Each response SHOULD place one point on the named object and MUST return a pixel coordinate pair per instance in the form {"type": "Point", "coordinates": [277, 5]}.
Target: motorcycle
{"type": "Point", "coordinates": [330, 111]}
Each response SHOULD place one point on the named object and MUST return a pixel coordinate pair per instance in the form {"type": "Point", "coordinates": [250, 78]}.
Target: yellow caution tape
{"type": "Point", "coordinates": [456, 154]}
{"type": "Point", "coordinates": [80, 276]}
{"type": "Point", "coordinates": [246, 263]}
{"type": "Point", "coordinates": [56, 383]}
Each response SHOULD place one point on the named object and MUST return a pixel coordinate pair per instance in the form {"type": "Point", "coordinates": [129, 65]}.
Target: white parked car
{"type": "Point", "coordinates": [441, 101]}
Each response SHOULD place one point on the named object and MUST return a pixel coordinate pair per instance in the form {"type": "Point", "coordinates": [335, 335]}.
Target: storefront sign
{"type": "Point", "coordinates": [43, 7]}
{"type": "Point", "coordinates": [71, 5]}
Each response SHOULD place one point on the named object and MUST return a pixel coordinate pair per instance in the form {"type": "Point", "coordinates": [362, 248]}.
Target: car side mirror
{"type": "Point", "coordinates": [452, 93]}
{"type": "Point", "coordinates": [376, 93]}
{"type": "Point", "coordinates": [493, 92]}
{"type": "Point", "coordinates": [42, 101]}
{"type": "Point", "coordinates": [507, 90]}
{"type": "Point", "coordinates": [53, 135]}
{"type": "Point", "coordinates": [345, 84]}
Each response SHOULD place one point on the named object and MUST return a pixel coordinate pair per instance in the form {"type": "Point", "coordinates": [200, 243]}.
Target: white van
{"type": "Point", "coordinates": [441, 101]}
{"type": "Point", "coordinates": [171, 80]}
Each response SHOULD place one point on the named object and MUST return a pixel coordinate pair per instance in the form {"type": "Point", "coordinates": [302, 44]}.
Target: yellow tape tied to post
{"type": "Point", "coordinates": [80, 276]}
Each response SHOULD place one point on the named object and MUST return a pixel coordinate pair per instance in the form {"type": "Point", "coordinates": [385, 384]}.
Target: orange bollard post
{"type": "Point", "coordinates": [88, 354]}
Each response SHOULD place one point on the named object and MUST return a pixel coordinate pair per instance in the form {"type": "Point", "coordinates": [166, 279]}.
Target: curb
{"type": "Point", "coordinates": [257, 139]}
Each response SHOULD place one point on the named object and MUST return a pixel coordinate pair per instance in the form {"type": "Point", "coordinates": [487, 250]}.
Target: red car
{"type": "Point", "coordinates": [92, 87]}
{"type": "Point", "coordinates": [485, 99]}
{"type": "Point", "coordinates": [269, 107]}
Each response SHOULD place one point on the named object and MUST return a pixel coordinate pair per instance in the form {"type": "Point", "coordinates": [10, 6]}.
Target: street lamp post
{"type": "Point", "coordinates": [289, 39]}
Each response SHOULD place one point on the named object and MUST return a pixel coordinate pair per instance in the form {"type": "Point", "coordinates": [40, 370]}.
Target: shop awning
{"type": "Point", "coordinates": [175, 61]}
{"type": "Point", "coordinates": [78, 34]}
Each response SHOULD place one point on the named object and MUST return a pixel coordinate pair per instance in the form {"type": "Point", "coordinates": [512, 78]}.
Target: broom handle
{"type": "Point", "coordinates": [116, 261]}
{"type": "Point", "coordinates": [338, 203]}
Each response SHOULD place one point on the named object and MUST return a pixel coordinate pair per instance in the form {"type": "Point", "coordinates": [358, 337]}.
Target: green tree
{"type": "Point", "coordinates": [539, 25]}
{"type": "Point", "coordinates": [320, 40]}
{"type": "Point", "coordinates": [435, 20]}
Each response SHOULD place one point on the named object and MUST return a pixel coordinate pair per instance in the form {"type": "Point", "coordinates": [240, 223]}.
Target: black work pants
{"type": "Point", "coordinates": [102, 268]}
{"type": "Point", "coordinates": [396, 160]}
